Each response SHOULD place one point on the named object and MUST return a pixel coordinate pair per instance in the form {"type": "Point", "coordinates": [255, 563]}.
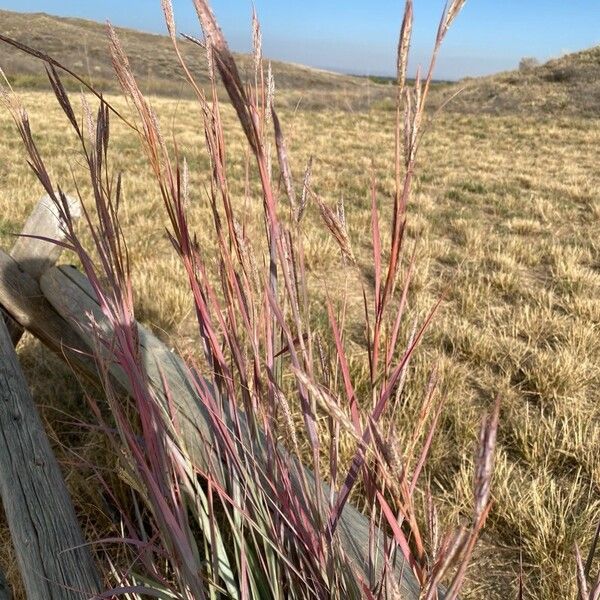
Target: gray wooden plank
{"type": "Point", "coordinates": [71, 295]}
{"type": "Point", "coordinates": [53, 560]}
{"type": "Point", "coordinates": [35, 255]}
{"type": "Point", "coordinates": [24, 301]}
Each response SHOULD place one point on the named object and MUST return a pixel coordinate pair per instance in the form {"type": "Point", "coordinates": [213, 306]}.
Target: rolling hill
{"type": "Point", "coordinates": [82, 45]}
{"type": "Point", "coordinates": [569, 85]}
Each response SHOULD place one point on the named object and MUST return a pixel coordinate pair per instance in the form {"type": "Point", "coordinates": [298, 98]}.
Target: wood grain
{"type": "Point", "coordinates": [23, 300]}
{"type": "Point", "coordinates": [36, 255]}
{"type": "Point", "coordinates": [53, 560]}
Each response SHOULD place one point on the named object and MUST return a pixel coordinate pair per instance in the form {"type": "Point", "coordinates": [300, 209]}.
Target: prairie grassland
{"type": "Point", "coordinates": [506, 224]}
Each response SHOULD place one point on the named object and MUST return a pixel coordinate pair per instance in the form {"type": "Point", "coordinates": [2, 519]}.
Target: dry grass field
{"type": "Point", "coordinates": [505, 222]}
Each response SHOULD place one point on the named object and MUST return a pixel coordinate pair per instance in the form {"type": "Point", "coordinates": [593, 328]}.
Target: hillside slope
{"type": "Point", "coordinates": [82, 46]}
{"type": "Point", "coordinates": [569, 85]}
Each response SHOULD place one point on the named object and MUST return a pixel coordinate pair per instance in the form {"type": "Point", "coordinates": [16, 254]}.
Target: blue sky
{"type": "Point", "coordinates": [360, 36]}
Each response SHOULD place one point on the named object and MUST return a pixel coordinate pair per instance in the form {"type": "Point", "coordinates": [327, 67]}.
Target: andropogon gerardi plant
{"type": "Point", "coordinates": [249, 520]}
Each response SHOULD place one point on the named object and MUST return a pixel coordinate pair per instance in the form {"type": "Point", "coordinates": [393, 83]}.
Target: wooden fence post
{"type": "Point", "coordinates": [23, 300]}
{"type": "Point", "coordinates": [54, 562]}
{"type": "Point", "coordinates": [46, 535]}
{"type": "Point", "coordinates": [35, 255]}
{"type": "Point", "coordinates": [55, 310]}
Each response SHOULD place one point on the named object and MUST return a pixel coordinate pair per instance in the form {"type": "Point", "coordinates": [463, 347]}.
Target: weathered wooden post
{"type": "Point", "coordinates": [36, 254]}
{"type": "Point", "coordinates": [53, 559]}
{"type": "Point", "coordinates": [23, 300]}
